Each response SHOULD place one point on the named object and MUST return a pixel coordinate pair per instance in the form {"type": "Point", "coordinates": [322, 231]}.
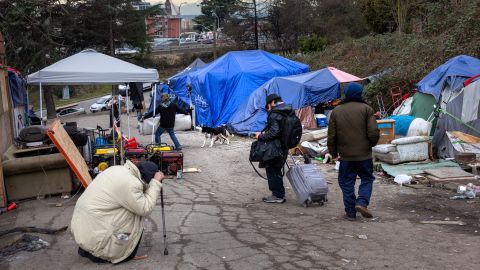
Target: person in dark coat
{"type": "Point", "coordinates": [167, 111]}
{"type": "Point", "coordinates": [352, 132]}
{"type": "Point", "coordinates": [278, 110]}
{"type": "Point", "coordinates": [114, 111]}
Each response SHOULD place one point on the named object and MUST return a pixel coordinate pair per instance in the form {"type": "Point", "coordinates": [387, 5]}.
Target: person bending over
{"type": "Point", "coordinates": [108, 219]}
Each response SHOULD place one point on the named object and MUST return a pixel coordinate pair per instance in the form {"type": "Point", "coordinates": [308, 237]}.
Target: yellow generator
{"type": "Point", "coordinates": [104, 157]}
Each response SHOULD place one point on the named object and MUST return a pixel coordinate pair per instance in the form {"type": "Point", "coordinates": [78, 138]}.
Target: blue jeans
{"type": "Point", "coordinates": [347, 176]}
{"type": "Point", "coordinates": [275, 181]}
{"type": "Point", "coordinates": [171, 132]}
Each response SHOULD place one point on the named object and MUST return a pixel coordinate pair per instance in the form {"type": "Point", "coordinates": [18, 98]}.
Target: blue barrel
{"type": "Point", "coordinates": [100, 141]}
{"type": "Point", "coordinates": [321, 120]}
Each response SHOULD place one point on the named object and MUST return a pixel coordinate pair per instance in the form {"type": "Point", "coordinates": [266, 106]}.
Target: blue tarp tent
{"type": "Point", "coordinates": [452, 74]}
{"type": "Point", "coordinates": [178, 85]}
{"type": "Point", "coordinates": [303, 90]}
{"type": "Point", "coordinates": [219, 88]}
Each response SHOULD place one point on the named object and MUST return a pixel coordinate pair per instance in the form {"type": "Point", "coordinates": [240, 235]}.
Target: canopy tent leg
{"type": "Point", "coordinates": [128, 115]}
{"type": "Point", "coordinates": [113, 131]}
{"type": "Point", "coordinates": [120, 128]}
{"type": "Point", "coordinates": [154, 94]}
{"type": "Point", "coordinates": [192, 117]}
{"type": "Point", "coordinates": [41, 105]}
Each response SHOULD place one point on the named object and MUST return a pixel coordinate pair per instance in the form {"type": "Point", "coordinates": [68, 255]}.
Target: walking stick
{"type": "Point", "coordinates": [165, 252]}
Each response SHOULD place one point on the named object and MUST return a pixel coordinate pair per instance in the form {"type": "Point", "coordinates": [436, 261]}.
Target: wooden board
{"type": "Point", "coordinates": [472, 178]}
{"type": "Point", "coordinates": [448, 173]}
{"type": "Point", "coordinates": [191, 170]}
{"type": "Point", "coordinates": [69, 151]}
{"type": "Point", "coordinates": [444, 222]}
{"type": "Point", "coordinates": [3, 194]}
{"type": "Point", "coordinates": [466, 137]}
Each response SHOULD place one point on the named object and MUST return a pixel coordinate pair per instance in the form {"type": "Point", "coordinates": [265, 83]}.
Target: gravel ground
{"type": "Point", "coordinates": [215, 220]}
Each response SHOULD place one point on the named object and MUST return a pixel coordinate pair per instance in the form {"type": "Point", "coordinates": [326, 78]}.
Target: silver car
{"type": "Point", "coordinates": [101, 104]}
{"type": "Point", "coordinates": [70, 112]}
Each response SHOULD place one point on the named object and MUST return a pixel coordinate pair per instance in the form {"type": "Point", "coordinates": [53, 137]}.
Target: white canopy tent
{"type": "Point", "coordinates": [90, 67]}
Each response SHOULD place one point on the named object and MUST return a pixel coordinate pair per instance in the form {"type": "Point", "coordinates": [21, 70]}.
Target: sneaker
{"type": "Point", "coordinates": [273, 199]}
{"type": "Point", "coordinates": [364, 211]}
{"type": "Point", "coordinates": [178, 148]}
{"type": "Point", "coordinates": [349, 218]}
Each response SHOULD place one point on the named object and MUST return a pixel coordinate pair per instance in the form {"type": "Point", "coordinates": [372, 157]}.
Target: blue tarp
{"type": "Point", "coordinates": [178, 85]}
{"type": "Point", "coordinates": [402, 123]}
{"type": "Point", "coordinates": [303, 90]}
{"type": "Point", "coordinates": [453, 73]}
{"type": "Point", "coordinates": [222, 86]}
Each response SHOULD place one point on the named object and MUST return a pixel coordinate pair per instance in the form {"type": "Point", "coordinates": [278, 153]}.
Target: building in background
{"type": "Point", "coordinates": [187, 22]}
{"type": "Point", "coordinates": [164, 26]}
{"type": "Point", "coordinates": [169, 25]}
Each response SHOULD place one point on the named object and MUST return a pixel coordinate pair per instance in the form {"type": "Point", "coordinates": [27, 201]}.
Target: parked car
{"type": "Point", "coordinates": [101, 104]}
{"type": "Point", "coordinates": [125, 51]}
{"type": "Point", "coordinates": [166, 44]}
{"type": "Point", "coordinates": [206, 41]}
{"type": "Point", "coordinates": [71, 112]}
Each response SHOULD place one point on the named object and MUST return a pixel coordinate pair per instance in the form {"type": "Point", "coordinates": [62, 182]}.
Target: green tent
{"type": "Point", "coordinates": [422, 107]}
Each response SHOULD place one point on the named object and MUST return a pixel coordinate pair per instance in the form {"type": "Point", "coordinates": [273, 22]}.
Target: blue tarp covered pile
{"type": "Point", "coordinates": [178, 85]}
{"type": "Point", "coordinates": [452, 74]}
{"type": "Point", "coordinates": [221, 87]}
{"type": "Point", "coordinates": [303, 90]}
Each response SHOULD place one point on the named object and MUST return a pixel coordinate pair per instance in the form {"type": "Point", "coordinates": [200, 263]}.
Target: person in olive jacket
{"type": "Point", "coordinates": [278, 110]}
{"type": "Point", "coordinates": [352, 132]}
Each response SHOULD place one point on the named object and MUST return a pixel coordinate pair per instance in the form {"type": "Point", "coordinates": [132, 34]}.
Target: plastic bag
{"type": "Point", "coordinates": [402, 179]}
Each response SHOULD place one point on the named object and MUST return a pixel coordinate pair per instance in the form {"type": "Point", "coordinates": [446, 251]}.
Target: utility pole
{"type": "Point", "coordinates": [110, 25]}
{"type": "Point", "coordinates": [255, 23]}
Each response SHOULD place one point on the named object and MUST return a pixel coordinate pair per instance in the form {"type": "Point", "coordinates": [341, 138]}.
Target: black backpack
{"type": "Point", "coordinates": [291, 131]}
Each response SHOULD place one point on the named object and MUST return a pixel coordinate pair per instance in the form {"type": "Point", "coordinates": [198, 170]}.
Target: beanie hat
{"type": "Point", "coordinates": [147, 170]}
{"type": "Point", "coordinates": [353, 90]}
{"type": "Point", "coordinates": [271, 98]}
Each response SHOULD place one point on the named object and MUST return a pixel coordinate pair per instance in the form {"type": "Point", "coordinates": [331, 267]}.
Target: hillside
{"type": "Point", "coordinates": [405, 58]}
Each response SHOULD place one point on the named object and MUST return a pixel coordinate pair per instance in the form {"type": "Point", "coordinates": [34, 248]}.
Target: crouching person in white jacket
{"type": "Point", "coordinates": [108, 219]}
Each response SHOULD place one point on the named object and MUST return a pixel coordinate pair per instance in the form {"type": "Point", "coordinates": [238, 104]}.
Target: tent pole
{"type": "Point", "coordinates": [128, 115]}
{"type": "Point", "coordinates": [189, 91]}
{"type": "Point", "coordinates": [113, 129]}
{"type": "Point", "coordinates": [41, 105]}
{"type": "Point", "coordinates": [154, 89]}
{"type": "Point", "coordinates": [120, 129]}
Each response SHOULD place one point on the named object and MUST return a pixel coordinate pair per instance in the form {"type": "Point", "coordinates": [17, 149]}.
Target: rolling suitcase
{"type": "Point", "coordinates": [308, 184]}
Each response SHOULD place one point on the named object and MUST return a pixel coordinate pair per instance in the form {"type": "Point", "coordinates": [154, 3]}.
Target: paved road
{"type": "Point", "coordinates": [215, 220]}
{"type": "Point", "coordinates": [87, 103]}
